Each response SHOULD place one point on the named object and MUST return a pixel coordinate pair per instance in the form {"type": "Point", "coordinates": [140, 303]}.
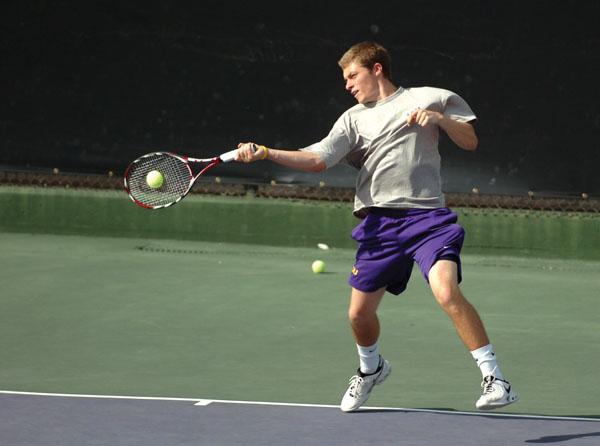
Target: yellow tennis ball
{"type": "Point", "coordinates": [155, 179]}
{"type": "Point", "coordinates": [318, 266]}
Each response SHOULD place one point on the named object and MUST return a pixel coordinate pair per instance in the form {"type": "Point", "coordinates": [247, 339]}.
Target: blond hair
{"type": "Point", "coordinates": [367, 54]}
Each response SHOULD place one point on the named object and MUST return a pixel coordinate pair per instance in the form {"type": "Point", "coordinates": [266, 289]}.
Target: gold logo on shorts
{"type": "Point", "coordinates": [354, 271]}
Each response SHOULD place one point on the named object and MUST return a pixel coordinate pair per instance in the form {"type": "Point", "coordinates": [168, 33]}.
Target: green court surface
{"type": "Point", "coordinates": [125, 316]}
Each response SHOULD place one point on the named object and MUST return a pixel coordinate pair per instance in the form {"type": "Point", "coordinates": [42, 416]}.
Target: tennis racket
{"type": "Point", "coordinates": [173, 181]}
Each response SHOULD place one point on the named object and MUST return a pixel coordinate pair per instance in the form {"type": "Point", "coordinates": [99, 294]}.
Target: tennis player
{"type": "Point", "coordinates": [391, 138]}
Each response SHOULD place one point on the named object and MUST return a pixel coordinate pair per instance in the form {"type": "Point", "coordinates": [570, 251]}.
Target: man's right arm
{"type": "Point", "coordinates": [295, 159]}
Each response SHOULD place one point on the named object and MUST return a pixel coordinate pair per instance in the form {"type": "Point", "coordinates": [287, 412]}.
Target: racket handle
{"type": "Point", "coordinates": [228, 156]}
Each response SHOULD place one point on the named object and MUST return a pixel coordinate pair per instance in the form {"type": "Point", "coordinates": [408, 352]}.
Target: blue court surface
{"type": "Point", "coordinates": [54, 419]}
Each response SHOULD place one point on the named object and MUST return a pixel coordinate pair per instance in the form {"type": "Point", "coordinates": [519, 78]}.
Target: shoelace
{"type": "Point", "coordinates": [355, 385]}
{"type": "Point", "coordinates": [486, 384]}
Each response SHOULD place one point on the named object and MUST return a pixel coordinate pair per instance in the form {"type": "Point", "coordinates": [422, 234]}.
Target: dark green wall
{"type": "Point", "coordinates": [279, 222]}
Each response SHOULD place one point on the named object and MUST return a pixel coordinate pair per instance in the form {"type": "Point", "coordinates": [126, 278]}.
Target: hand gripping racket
{"type": "Point", "coordinates": [176, 178]}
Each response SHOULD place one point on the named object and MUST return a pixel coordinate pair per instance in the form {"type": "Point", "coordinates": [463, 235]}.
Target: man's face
{"type": "Point", "coordinates": [362, 82]}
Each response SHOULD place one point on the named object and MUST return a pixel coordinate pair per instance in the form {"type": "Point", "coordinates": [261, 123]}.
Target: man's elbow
{"type": "Point", "coordinates": [472, 144]}
{"type": "Point", "coordinates": [473, 141]}
{"type": "Point", "coordinates": [318, 166]}
{"type": "Point", "coordinates": [469, 140]}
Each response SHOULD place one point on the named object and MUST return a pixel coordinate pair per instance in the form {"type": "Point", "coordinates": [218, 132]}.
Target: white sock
{"type": "Point", "coordinates": [369, 358]}
{"type": "Point", "coordinates": [486, 361]}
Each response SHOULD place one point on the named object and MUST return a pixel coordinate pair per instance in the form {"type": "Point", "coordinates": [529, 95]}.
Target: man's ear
{"type": "Point", "coordinates": [377, 68]}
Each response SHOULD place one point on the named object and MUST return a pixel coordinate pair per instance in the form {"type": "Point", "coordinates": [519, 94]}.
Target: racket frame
{"type": "Point", "coordinates": [211, 162]}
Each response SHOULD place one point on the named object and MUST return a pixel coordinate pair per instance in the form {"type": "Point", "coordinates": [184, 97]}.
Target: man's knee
{"type": "Point", "coordinates": [447, 294]}
{"type": "Point", "coordinates": [363, 306]}
{"type": "Point", "coordinates": [360, 315]}
{"type": "Point", "coordinates": [444, 283]}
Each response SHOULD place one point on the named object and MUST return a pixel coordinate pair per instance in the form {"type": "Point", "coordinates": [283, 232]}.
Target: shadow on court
{"type": "Point", "coordinates": [561, 438]}
{"type": "Point", "coordinates": [89, 420]}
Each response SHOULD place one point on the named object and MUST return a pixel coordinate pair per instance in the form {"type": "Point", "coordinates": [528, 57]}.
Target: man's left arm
{"type": "Point", "coordinates": [461, 133]}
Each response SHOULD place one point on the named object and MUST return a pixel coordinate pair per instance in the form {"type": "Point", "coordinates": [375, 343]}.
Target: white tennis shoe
{"type": "Point", "coordinates": [361, 385]}
{"type": "Point", "coordinates": [496, 393]}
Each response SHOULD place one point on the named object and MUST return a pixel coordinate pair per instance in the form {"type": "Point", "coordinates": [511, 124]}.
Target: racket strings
{"type": "Point", "coordinates": [177, 179]}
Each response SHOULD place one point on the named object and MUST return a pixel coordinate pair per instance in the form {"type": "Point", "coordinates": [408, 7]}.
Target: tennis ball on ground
{"type": "Point", "coordinates": [318, 266]}
{"type": "Point", "coordinates": [155, 179]}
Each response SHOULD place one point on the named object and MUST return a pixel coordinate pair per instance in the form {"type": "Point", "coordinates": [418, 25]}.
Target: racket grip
{"type": "Point", "coordinates": [228, 156]}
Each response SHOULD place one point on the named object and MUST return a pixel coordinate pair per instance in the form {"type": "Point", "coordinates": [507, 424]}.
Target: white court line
{"type": "Point", "coordinates": [206, 402]}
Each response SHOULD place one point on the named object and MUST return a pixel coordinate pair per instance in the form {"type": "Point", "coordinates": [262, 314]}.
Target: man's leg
{"type": "Point", "coordinates": [443, 279]}
{"type": "Point", "coordinates": [362, 314]}
{"type": "Point", "coordinates": [373, 369]}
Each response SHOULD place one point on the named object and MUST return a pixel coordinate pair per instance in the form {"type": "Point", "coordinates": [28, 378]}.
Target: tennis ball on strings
{"type": "Point", "coordinates": [318, 267]}
{"type": "Point", "coordinates": [155, 179]}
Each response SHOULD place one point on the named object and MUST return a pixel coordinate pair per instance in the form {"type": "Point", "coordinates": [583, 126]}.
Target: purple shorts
{"type": "Point", "coordinates": [391, 240]}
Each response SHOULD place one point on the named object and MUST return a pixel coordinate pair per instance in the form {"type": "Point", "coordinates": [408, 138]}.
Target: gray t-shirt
{"type": "Point", "coordinates": [399, 166]}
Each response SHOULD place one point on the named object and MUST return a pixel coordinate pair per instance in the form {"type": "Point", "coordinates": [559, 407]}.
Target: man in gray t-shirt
{"type": "Point", "coordinates": [391, 138]}
{"type": "Point", "coordinates": [399, 164]}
